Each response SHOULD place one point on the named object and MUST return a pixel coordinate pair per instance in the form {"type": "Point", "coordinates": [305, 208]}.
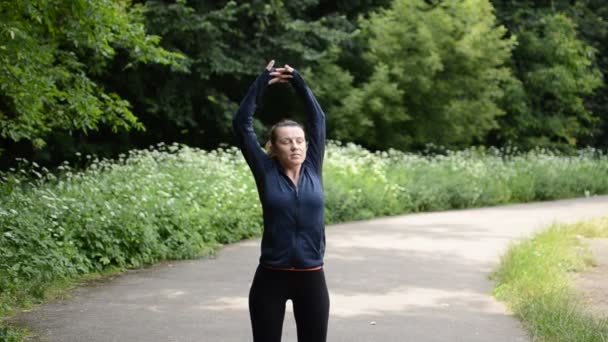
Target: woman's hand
{"type": "Point", "coordinates": [279, 75]}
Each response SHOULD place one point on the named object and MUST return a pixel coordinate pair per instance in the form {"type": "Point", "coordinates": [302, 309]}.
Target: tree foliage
{"type": "Point", "coordinates": [49, 53]}
{"type": "Point", "coordinates": [556, 73]}
{"type": "Point", "coordinates": [591, 17]}
{"type": "Point", "coordinates": [228, 44]}
{"type": "Point", "coordinates": [436, 76]}
{"type": "Point", "coordinates": [389, 73]}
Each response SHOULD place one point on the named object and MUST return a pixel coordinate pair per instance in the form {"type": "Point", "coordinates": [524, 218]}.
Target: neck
{"type": "Point", "coordinates": [292, 171]}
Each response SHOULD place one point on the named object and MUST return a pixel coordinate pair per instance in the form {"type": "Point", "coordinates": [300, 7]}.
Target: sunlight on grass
{"type": "Point", "coordinates": [534, 280]}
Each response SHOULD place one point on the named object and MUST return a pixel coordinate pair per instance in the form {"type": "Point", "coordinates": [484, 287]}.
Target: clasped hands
{"type": "Point", "coordinates": [279, 75]}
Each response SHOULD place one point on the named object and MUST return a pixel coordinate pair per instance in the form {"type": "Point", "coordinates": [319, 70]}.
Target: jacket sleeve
{"type": "Point", "coordinates": [242, 125]}
{"type": "Point", "coordinates": [315, 122]}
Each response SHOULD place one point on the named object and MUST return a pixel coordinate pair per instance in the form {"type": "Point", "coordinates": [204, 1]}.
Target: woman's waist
{"type": "Point", "coordinates": [292, 269]}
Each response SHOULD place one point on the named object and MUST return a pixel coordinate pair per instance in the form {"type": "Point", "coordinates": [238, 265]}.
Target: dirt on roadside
{"type": "Point", "coordinates": [592, 284]}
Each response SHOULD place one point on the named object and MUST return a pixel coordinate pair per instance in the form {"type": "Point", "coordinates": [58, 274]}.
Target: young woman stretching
{"type": "Point", "coordinates": [289, 180]}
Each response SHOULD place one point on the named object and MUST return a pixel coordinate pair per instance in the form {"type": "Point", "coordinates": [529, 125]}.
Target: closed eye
{"type": "Point", "coordinates": [287, 141]}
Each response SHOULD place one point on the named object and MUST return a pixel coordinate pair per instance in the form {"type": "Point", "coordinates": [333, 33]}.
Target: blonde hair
{"type": "Point", "coordinates": [272, 135]}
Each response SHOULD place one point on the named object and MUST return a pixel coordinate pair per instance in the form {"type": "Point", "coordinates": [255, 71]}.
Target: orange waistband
{"type": "Point", "coordinates": [292, 269]}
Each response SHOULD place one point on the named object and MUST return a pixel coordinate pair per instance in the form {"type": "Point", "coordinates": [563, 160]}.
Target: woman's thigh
{"type": "Point", "coordinates": [311, 306]}
{"type": "Point", "coordinates": [267, 298]}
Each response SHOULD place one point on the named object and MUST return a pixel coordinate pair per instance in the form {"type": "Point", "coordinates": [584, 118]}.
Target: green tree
{"type": "Point", "coordinates": [591, 17]}
{"type": "Point", "coordinates": [556, 76]}
{"type": "Point", "coordinates": [50, 51]}
{"type": "Point", "coordinates": [437, 75]}
{"type": "Point", "coordinates": [228, 43]}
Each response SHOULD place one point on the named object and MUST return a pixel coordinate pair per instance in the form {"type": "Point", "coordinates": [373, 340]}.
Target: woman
{"type": "Point", "coordinates": [290, 188]}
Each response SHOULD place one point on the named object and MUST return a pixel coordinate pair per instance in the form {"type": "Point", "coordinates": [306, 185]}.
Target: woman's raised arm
{"type": "Point", "coordinates": [242, 125]}
{"type": "Point", "coordinates": [315, 119]}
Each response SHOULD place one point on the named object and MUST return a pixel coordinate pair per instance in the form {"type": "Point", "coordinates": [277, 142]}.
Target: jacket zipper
{"type": "Point", "coordinates": [295, 234]}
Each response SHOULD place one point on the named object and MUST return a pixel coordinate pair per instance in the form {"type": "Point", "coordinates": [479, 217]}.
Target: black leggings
{"type": "Point", "coordinates": [270, 291]}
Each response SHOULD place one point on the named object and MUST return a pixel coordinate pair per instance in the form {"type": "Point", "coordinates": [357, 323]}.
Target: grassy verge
{"type": "Point", "coordinates": [12, 333]}
{"type": "Point", "coordinates": [534, 280]}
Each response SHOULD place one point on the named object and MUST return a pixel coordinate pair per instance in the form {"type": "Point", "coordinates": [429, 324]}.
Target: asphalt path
{"type": "Point", "coordinates": [419, 277]}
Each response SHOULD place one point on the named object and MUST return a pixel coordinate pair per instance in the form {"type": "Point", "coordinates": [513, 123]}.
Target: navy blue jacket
{"type": "Point", "coordinates": [294, 228]}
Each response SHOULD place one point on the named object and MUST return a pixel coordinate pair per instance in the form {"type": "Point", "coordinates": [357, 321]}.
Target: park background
{"type": "Point", "coordinates": [115, 119]}
{"type": "Point", "coordinates": [105, 77]}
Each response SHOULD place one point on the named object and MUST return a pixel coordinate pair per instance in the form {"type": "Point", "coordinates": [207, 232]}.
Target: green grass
{"type": "Point", "coordinates": [12, 333]}
{"type": "Point", "coordinates": [534, 279]}
{"type": "Point", "coordinates": [176, 202]}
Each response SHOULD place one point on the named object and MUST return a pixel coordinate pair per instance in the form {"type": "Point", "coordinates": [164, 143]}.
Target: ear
{"type": "Point", "coordinates": [269, 148]}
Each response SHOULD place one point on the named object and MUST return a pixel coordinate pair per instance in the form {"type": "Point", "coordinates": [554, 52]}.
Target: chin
{"type": "Point", "coordinates": [293, 161]}
{"type": "Point", "coordinates": [296, 162]}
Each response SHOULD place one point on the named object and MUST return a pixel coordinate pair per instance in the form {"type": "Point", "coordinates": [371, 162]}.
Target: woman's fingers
{"type": "Point", "coordinates": [279, 77]}
{"type": "Point", "coordinates": [270, 65]}
{"type": "Point", "coordinates": [286, 69]}
{"type": "Point", "coordinates": [279, 74]}
{"type": "Point", "coordinates": [278, 80]}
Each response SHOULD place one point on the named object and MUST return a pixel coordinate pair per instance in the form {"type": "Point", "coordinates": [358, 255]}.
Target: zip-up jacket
{"type": "Point", "coordinates": [294, 228]}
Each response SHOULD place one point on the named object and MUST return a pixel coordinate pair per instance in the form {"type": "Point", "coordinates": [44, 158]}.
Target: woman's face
{"type": "Point", "coordinates": [290, 146]}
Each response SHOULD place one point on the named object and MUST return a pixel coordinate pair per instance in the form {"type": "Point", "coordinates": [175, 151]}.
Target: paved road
{"type": "Point", "coordinates": [419, 277]}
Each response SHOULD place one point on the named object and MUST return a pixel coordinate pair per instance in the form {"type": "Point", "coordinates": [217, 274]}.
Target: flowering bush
{"type": "Point", "coordinates": [360, 184]}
